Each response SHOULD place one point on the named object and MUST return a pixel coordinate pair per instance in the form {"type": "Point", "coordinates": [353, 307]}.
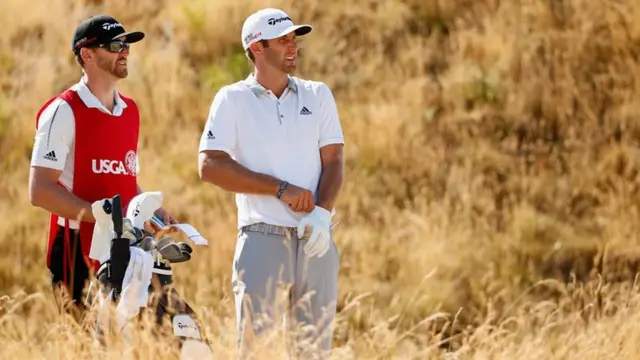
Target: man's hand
{"type": "Point", "coordinates": [317, 226]}
{"type": "Point", "coordinates": [298, 199]}
{"type": "Point", "coordinates": [167, 218]}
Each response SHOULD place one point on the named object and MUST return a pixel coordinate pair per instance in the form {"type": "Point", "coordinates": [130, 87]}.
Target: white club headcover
{"type": "Point", "coordinates": [142, 207]}
{"type": "Point", "coordinates": [102, 232]}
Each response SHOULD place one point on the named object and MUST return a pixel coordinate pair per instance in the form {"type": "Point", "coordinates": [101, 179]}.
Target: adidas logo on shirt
{"type": "Point", "coordinates": [210, 135]}
{"type": "Point", "coordinates": [50, 156]}
{"type": "Point", "coordinates": [305, 111]}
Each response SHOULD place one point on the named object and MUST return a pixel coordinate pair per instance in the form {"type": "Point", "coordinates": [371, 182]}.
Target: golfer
{"type": "Point", "coordinates": [276, 141]}
{"type": "Point", "coordinates": [86, 149]}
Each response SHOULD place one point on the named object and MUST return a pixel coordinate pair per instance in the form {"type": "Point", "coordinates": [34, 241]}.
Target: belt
{"type": "Point", "coordinates": [270, 229]}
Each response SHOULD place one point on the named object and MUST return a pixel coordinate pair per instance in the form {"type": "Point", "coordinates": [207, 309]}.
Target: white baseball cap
{"type": "Point", "coordinates": [269, 24]}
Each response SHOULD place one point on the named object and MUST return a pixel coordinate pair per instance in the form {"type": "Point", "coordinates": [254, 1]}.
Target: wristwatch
{"type": "Point", "coordinates": [283, 186]}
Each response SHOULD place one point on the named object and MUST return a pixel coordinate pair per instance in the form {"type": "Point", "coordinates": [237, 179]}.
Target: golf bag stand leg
{"type": "Point", "coordinates": [171, 307]}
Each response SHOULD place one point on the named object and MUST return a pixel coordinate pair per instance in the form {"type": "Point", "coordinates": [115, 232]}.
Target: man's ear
{"type": "Point", "coordinates": [256, 48]}
{"type": "Point", "coordinates": [86, 55]}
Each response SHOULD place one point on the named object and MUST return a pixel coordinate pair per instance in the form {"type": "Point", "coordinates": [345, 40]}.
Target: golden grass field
{"type": "Point", "coordinates": [491, 199]}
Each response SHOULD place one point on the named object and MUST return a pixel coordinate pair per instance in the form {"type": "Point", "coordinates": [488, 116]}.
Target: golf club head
{"type": "Point", "coordinates": [147, 244]}
{"type": "Point", "coordinates": [137, 237]}
{"type": "Point", "coordinates": [174, 252]}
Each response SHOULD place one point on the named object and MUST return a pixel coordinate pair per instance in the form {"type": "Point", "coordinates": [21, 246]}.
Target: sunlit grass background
{"type": "Point", "coordinates": [491, 199]}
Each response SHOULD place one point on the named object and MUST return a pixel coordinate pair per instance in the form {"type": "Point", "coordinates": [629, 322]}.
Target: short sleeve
{"type": "Point", "coordinates": [330, 127]}
{"type": "Point", "coordinates": [54, 136]}
{"type": "Point", "coordinates": [220, 129]}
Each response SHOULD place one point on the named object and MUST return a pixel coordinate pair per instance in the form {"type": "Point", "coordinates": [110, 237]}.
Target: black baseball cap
{"type": "Point", "coordinates": [100, 30]}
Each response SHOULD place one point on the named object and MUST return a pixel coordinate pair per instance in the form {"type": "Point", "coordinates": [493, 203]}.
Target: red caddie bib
{"type": "Point", "coordinates": [104, 163]}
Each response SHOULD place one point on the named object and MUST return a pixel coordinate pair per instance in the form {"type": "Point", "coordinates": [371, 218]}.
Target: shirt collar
{"type": "Point", "coordinates": [258, 89]}
{"type": "Point", "coordinates": [91, 100]}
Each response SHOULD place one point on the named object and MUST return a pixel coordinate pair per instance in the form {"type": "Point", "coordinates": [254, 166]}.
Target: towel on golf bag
{"type": "Point", "coordinates": [135, 286]}
{"type": "Point", "coordinates": [134, 295]}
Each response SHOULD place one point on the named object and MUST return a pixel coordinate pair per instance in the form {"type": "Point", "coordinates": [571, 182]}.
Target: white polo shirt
{"type": "Point", "coordinates": [54, 140]}
{"type": "Point", "coordinates": [278, 137]}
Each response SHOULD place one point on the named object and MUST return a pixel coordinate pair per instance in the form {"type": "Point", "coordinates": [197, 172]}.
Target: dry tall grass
{"type": "Point", "coordinates": [491, 202]}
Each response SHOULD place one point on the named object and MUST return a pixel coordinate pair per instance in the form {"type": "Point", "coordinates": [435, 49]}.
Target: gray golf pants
{"type": "Point", "coordinates": [275, 283]}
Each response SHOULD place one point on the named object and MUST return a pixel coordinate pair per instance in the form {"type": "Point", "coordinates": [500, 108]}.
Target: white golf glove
{"type": "Point", "coordinates": [319, 237]}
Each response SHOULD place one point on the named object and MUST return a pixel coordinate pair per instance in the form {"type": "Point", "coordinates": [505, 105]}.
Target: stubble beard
{"type": "Point", "coordinates": [113, 68]}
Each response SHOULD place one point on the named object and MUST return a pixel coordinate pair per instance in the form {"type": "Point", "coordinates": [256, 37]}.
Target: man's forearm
{"type": "Point", "coordinates": [59, 201]}
{"type": "Point", "coordinates": [331, 181]}
{"type": "Point", "coordinates": [231, 176]}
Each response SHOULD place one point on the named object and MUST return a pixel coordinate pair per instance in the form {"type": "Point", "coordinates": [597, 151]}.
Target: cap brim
{"type": "Point", "coordinates": [300, 30]}
{"type": "Point", "coordinates": [132, 36]}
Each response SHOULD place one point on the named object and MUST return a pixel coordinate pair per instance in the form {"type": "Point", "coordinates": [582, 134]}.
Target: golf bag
{"type": "Point", "coordinates": [132, 254]}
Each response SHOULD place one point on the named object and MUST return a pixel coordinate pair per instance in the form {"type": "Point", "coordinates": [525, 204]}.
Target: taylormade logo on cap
{"type": "Point", "coordinates": [269, 24]}
{"type": "Point", "coordinates": [274, 21]}
{"type": "Point", "coordinates": [109, 26]}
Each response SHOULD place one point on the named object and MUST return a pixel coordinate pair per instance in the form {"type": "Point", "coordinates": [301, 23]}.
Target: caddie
{"type": "Point", "coordinates": [86, 149]}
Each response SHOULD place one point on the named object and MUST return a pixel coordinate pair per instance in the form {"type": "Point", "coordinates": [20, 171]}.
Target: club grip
{"type": "Point", "coordinates": [119, 251]}
{"type": "Point", "coordinates": [116, 216]}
